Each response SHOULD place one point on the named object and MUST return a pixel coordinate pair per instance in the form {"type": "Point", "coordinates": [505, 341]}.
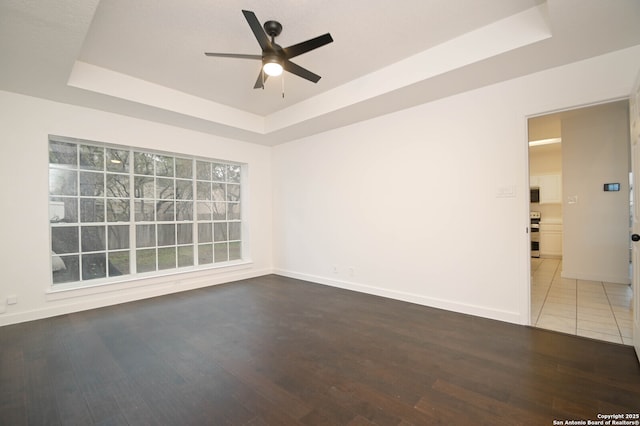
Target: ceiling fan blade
{"type": "Point", "coordinates": [300, 72]}
{"type": "Point", "coordinates": [262, 77]}
{"type": "Point", "coordinates": [233, 55]}
{"type": "Point", "coordinates": [256, 27]}
{"type": "Point", "coordinates": [305, 46]}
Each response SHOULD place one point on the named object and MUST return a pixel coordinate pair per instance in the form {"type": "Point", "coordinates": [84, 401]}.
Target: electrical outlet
{"type": "Point", "coordinates": [352, 271]}
{"type": "Point", "coordinates": [12, 300]}
{"type": "Point", "coordinates": [335, 269]}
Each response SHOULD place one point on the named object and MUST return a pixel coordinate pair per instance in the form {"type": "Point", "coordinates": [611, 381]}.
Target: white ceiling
{"type": "Point", "coordinates": [145, 58]}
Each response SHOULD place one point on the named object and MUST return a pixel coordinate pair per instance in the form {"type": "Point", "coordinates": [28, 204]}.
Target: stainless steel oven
{"type": "Point", "coordinates": [535, 233]}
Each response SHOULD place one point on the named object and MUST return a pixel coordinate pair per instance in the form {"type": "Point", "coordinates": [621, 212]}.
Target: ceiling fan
{"type": "Point", "coordinates": [274, 57]}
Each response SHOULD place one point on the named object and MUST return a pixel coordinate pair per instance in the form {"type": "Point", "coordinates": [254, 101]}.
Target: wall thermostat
{"type": "Point", "coordinates": [611, 187]}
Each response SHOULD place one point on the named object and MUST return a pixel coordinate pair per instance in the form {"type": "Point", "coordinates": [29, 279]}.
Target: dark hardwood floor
{"type": "Point", "coordinates": [277, 351]}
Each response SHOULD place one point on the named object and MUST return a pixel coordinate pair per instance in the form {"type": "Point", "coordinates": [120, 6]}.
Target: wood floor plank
{"type": "Point", "coordinates": [12, 386]}
{"type": "Point", "coordinates": [41, 400]}
{"type": "Point", "coordinates": [452, 411]}
{"type": "Point", "coordinates": [360, 421]}
{"type": "Point", "coordinates": [496, 407]}
{"type": "Point", "coordinates": [133, 406]}
{"type": "Point", "coordinates": [291, 404]}
{"type": "Point", "coordinates": [265, 411]}
{"type": "Point", "coordinates": [279, 351]}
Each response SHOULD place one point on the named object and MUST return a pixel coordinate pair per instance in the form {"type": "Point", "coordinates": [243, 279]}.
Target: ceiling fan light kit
{"type": "Point", "coordinates": [275, 58]}
{"type": "Point", "coordinates": [272, 66]}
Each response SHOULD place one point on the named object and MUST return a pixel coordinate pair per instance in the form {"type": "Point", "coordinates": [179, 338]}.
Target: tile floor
{"type": "Point", "coordinates": [586, 308]}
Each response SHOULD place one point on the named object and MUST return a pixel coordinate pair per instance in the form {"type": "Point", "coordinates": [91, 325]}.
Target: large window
{"type": "Point", "coordinates": [117, 211]}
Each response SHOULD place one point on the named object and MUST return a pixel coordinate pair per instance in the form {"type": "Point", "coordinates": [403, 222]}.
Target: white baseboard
{"type": "Point", "coordinates": [76, 303]}
{"type": "Point", "coordinates": [449, 305]}
{"type": "Point", "coordinates": [60, 306]}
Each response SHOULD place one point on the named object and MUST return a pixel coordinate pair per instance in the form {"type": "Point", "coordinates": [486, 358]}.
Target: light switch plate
{"type": "Point", "coordinates": [507, 191]}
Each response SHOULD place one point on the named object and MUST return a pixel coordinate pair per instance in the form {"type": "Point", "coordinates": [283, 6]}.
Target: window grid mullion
{"type": "Point", "coordinates": [133, 264]}
{"type": "Point", "coordinates": [163, 171]}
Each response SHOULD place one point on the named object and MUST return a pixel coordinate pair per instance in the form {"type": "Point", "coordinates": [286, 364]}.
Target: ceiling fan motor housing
{"type": "Point", "coordinates": [275, 55]}
{"type": "Point", "coordinates": [272, 57]}
{"type": "Point", "coordinates": [272, 28]}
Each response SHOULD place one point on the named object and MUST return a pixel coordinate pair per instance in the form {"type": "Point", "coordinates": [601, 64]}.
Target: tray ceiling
{"type": "Point", "coordinates": [145, 58]}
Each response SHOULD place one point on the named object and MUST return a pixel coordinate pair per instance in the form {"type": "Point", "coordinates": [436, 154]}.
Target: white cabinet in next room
{"type": "Point", "coordinates": [550, 188]}
{"type": "Point", "coordinates": [550, 239]}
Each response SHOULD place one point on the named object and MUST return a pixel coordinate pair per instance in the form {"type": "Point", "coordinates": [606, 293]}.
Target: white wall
{"type": "Point", "coordinates": [24, 254]}
{"type": "Point", "coordinates": [595, 151]}
{"type": "Point", "coordinates": [547, 126]}
{"type": "Point", "coordinates": [545, 159]}
{"type": "Point", "coordinates": [407, 205]}
{"type": "Point", "coordinates": [413, 205]}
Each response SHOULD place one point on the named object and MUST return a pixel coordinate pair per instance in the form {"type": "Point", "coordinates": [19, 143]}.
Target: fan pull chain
{"type": "Point", "coordinates": [282, 85]}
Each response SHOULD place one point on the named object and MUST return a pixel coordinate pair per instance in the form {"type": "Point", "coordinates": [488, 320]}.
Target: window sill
{"type": "Point", "coordinates": [161, 279]}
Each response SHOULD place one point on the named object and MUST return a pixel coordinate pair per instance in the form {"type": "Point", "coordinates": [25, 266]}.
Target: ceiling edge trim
{"type": "Point", "coordinates": [101, 80]}
{"type": "Point", "coordinates": [516, 31]}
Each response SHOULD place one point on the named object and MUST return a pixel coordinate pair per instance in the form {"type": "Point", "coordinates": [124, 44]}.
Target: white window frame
{"type": "Point", "coordinates": [227, 248]}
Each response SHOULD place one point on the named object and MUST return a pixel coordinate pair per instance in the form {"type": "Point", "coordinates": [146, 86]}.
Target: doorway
{"type": "Point", "coordinates": [580, 282]}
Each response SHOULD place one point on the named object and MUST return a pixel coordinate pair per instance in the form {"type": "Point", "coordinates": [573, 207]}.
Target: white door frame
{"type": "Point", "coordinates": [634, 129]}
{"type": "Point", "coordinates": [636, 268]}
